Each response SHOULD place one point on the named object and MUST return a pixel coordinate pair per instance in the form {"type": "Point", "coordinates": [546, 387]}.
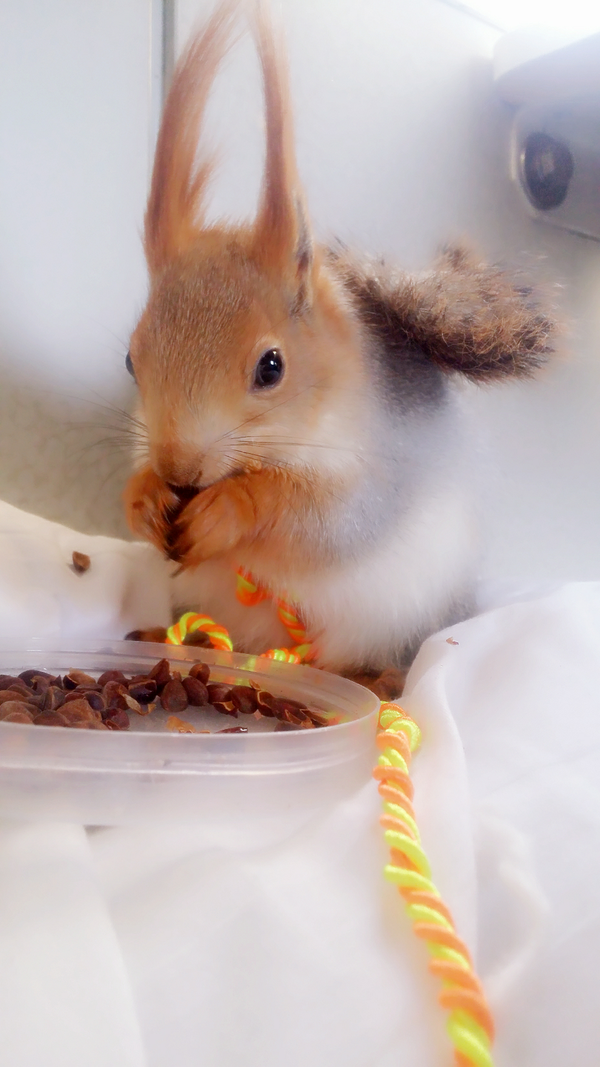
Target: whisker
{"type": "Point", "coordinates": [282, 441]}
{"type": "Point", "coordinates": [111, 474]}
{"type": "Point", "coordinates": [125, 432]}
{"type": "Point", "coordinates": [290, 505]}
{"type": "Point", "coordinates": [115, 442]}
{"type": "Point", "coordinates": [261, 414]}
{"type": "Point", "coordinates": [108, 406]}
{"type": "Point", "coordinates": [279, 466]}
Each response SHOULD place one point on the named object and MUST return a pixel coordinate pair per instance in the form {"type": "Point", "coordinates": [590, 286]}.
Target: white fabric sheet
{"type": "Point", "coordinates": [43, 599]}
{"type": "Point", "coordinates": [152, 947]}
{"type": "Point", "coordinates": [523, 689]}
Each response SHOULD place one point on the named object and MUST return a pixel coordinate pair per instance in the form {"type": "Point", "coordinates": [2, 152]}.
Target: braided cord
{"type": "Point", "coordinates": [250, 592]}
{"type": "Point", "coordinates": [190, 623]}
{"type": "Point", "coordinates": [282, 655]}
{"type": "Point", "coordinates": [470, 1024]}
{"type": "Point", "coordinates": [219, 638]}
{"type": "Point", "coordinates": [290, 619]}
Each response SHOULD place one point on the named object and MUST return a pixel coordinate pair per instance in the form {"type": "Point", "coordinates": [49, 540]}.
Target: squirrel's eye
{"type": "Point", "coordinates": [129, 365]}
{"type": "Point", "coordinates": [269, 369]}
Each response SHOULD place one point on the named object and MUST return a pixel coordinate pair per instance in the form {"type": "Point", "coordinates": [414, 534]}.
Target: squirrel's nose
{"type": "Point", "coordinates": [176, 465]}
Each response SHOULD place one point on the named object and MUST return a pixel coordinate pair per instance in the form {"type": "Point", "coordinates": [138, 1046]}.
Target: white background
{"type": "Point", "coordinates": [76, 107]}
{"type": "Point", "coordinates": [403, 145]}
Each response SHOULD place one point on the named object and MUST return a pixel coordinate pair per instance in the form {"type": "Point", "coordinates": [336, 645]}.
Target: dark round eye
{"type": "Point", "coordinates": [129, 365]}
{"type": "Point", "coordinates": [269, 369]}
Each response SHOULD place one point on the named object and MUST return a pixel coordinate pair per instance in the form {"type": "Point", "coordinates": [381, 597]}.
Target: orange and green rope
{"type": "Point", "coordinates": [191, 622]}
{"type": "Point", "coordinates": [470, 1024]}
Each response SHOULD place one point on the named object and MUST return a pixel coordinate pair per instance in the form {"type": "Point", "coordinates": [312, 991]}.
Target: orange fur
{"type": "Point", "coordinates": [246, 316]}
{"type": "Point", "coordinates": [149, 503]}
{"type": "Point", "coordinates": [240, 511]}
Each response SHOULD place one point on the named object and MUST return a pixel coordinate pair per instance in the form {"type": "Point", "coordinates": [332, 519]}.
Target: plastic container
{"type": "Point", "coordinates": [148, 774]}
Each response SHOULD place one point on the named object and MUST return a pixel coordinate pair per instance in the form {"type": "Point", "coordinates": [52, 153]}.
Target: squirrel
{"type": "Point", "coordinates": [302, 406]}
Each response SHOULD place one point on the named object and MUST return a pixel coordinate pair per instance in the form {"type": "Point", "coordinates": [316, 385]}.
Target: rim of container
{"type": "Point", "coordinates": [317, 746]}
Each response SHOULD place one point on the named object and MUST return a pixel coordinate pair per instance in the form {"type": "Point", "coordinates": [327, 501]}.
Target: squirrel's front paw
{"type": "Point", "coordinates": [150, 505]}
{"type": "Point", "coordinates": [212, 523]}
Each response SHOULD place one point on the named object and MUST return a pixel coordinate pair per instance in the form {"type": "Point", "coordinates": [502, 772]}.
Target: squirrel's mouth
{"type": "Point", "coordinates": [185, 493]}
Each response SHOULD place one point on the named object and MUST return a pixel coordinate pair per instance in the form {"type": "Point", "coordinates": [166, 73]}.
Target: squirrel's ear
{"type": "Point", "coordinates": [281, 239]}
{"type": "Point", "coordinates": [174, 211]}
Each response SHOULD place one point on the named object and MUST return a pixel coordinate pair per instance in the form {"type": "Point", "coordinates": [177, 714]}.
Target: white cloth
{"type": "Point", "coordinates": [43, 600]}
{"type": "Point", "coordinates": [149, 947]}
{"type": "Point", "coordinates": [523, 688]}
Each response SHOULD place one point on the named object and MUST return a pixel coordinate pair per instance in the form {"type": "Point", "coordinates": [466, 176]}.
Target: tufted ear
{"type": "Point", "coordinates": [281, 235]}
{"type": "Point", "coordinates": [174, 210]}
{"type": "Point", "coordinates": [469, 318]}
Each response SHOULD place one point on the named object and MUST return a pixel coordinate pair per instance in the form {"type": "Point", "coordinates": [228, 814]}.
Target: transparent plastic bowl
{"type": "Point", "coordinates": [148, 774]}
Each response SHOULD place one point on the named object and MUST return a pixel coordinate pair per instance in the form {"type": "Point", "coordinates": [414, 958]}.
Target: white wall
{"type": "Point", "coordinates": [403, 145]}
{"type": "Point", "coordinates": [77, 103]}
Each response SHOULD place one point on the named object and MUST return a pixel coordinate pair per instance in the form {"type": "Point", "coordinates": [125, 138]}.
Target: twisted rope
{"type": "Point", "coordinates": [470, 1024]}
{"type": "Point", "coordinates": [191, 622]}
{"type": "Point", "coordinates": [250, 592]}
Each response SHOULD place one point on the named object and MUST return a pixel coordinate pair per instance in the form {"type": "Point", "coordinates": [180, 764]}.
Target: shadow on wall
{"type": "Point", "coordinates": [64, 457]}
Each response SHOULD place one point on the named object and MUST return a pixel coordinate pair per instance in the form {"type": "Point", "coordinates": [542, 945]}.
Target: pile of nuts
{"type": "Point", "coordinates": [81, 702]}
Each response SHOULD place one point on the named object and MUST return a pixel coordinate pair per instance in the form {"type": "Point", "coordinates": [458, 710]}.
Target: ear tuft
{"type": "Point", "coordinates": [281, 238]}
{"type": "Point", "coordinates": [479, 321]}
{"type": "Point", "coordinates": [173, 213]}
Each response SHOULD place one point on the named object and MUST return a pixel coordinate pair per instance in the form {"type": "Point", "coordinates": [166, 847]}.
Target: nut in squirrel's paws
{"type": "Point", "coordinates": [150, 505]}
{"type": "Point", "coordinates": [212, 523]}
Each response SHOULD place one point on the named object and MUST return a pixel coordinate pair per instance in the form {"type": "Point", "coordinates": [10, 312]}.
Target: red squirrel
{"type": "Point", "coordinates": [302, 406]}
